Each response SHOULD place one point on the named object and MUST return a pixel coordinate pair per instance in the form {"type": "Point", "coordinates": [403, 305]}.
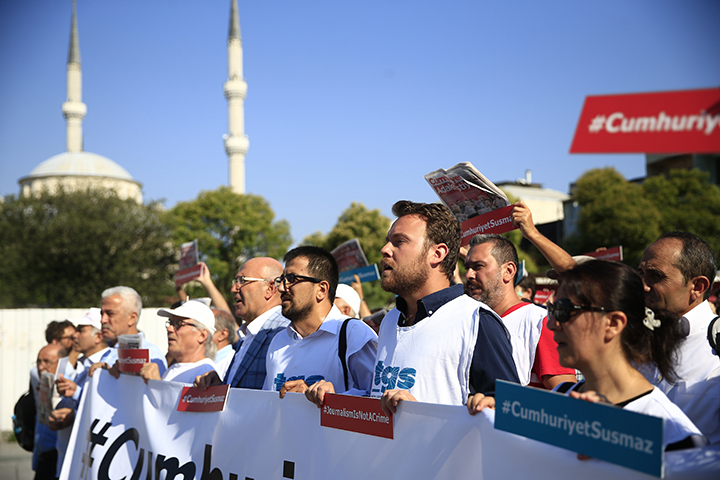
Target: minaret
{"type": "Point", "coordinates": [74, 109]}
{"type": "Point", "coordinates": [236, 142]}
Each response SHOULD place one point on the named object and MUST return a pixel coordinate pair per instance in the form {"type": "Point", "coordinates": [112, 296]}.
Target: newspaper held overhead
{"type": "Point", "coordinates": [352, 261]}
{"type": "Point", "coordinates": [479, 205]}
{"type": "Point", "coordinates": [188, 268]}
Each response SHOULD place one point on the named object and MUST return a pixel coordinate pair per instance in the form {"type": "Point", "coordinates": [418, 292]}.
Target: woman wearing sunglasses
{"type": "Point", "coordinates": [603, 329]}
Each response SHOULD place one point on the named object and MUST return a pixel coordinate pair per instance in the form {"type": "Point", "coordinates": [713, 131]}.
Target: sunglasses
{"type": "Point", "coordinates": [563, 309]}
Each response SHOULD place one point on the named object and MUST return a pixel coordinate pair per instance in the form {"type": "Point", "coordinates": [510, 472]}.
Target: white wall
{"type": "Point", "coordinates": [22, 335]}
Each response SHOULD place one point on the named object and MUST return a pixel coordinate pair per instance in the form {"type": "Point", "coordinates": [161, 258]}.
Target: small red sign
{"type": "Point", "coordinates": [356, 414]}
{"type": "Point", "coordinates": [685, 121]}
{"type": "Point", "coordinates": [614, 253]}
{"type": "Point", "coordinates": [186, 274]}
{"type": "Point", "coordinates": [497, 221]}
{"type": "Point", "coordinates": [542, 295]}
{"type": "Point", "coordinates": [211, 400]}
{"type": "Point", "coordinates": [131, 360]}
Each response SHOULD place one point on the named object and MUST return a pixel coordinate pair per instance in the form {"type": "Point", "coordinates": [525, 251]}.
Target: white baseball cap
{"type": "Point", "coordinates": [194, 310]}
{"type": "Point", "coordinates": [347, 293]}
{"type": "Point", "coordinates": [92, 317]}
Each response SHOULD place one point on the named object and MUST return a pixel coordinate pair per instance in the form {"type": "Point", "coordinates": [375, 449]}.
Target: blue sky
{"type": "Point", "coordinates": [347, 101]}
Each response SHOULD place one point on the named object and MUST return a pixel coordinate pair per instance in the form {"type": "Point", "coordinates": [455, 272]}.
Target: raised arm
{"type": "Point", "coordinates": [217, 298]}
{"type": "Point", "coordinates": [558, 258]}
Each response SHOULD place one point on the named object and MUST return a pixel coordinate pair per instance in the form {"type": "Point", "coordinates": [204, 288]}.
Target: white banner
{"type": "Point", "coordinates": [129, 430]}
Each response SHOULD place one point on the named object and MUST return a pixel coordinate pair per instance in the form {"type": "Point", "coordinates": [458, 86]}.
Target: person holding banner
{"type": "Point", "coordinates": [120, 309]}
{"type": "Point", "coordinates": [308, 351]}
{"type": "Point", "coordinates": [438, 345]}
{"type": "Point", "coordinates": [603, 328]}
{"type": "Point", "coordinates": [190, 329]}
{"type": "Point", "coordinates": [492, 268]}
{"type": "Point", "coordinates": [257, 303]}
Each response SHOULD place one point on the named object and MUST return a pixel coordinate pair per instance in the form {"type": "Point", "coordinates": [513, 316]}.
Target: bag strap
{"type": "Point", "coordinates": [342, 350]}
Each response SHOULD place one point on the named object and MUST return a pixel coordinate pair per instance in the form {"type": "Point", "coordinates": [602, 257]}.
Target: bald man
{"type": "Point", "coordinates": [44, 460]}
{"type": "Point", "coordinates": [257, 303]}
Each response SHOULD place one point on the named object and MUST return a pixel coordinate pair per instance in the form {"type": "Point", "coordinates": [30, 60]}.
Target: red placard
{"type": "Point", "coordinates": [542, 295]}
{"type": "Point", "coordinates": [186, 274]}
{"type": "Point", "coordinates": [211, 400]}
{"type": "Point", "coordinates": [131, 360]}
{"type": "Point", "coordinates": [685, 121]}
{"type": "Point", "coordinates": [497, 221]}
{"type": "Point", "coordinates": [614, 253]}
{"type": "Point", "coordinates": [356, 414]}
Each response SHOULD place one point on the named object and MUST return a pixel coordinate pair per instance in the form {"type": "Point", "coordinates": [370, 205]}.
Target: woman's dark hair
{"type": "Point", "coordinates": [617, 287]}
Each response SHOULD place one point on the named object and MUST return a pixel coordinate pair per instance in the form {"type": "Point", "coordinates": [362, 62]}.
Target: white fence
{"type": "Point", "coordinates": [22, 335]}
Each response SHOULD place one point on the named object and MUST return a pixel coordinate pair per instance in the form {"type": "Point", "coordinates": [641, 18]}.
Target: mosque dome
{"type": "Point", "coordinates": [77, 170]}
{"type": "Point", "coordinates": [82, 164]}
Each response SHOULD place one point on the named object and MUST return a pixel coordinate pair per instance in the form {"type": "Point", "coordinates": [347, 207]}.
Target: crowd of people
{"type": "Point", "coordinates": [635, 339]}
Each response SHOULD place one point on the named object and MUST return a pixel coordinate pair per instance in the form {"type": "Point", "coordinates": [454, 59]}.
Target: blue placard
{"type": "Point", "coordinates": [366, 274]}
{"type": "Point", "coordinates": [618, 436]}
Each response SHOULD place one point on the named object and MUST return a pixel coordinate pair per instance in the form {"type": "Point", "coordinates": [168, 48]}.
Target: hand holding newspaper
{"type": "Point", "coordinates": [479, 205]}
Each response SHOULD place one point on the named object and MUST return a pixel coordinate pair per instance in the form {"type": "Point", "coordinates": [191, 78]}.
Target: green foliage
{"type": "Point", "coordinates": [230, 228]}
{"type": "Point", "coordinates": [617, 212]}
{"type": "Point", "coordinates": [370, 227]}
{"type": "Point", "coordinates": [687, 202]}
{"type": "Point", "coordinates": [614, 212]}
{"type": "Point", "coordinates": [64, 249]}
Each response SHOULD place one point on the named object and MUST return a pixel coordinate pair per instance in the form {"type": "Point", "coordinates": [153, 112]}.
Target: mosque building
{"type": "Point", "coordinates": [77, 169]}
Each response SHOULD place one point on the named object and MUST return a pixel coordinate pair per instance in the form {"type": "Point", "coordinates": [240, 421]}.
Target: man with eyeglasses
{"type": "Point", "coordinates": [190, 328]}
{"type": "Point", "coordinates": [257, 304]}
{"type": "Point", "coordinates": [307, 353]}
{"type": "Point", "coordinates": [492, 267]}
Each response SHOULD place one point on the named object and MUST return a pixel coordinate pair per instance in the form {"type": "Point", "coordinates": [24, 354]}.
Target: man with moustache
{"type": "Point", "coordinates": [120, 310]}
{"type": "Point", "coordinates": [438, 345]}
{"type": "Point", "coordinates": [190, 329]}
{"type": "Point", "coordinates": [678, 271]}
{"type": "Point", "coordinates": [307, 352]}
{"type": "Point", "coordinates": [257, 303]}
{"type": "Point", "coordinates": [492, 267]}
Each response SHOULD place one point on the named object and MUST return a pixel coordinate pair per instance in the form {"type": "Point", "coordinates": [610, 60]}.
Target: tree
{"type": "Point", "coordinates": [230, 228]}
{"type": "Point", "coordinates": [688, 202]}
{"type": "Point", "coordinates": [370, 227]}
{"type": "Point", "coordinates": [614, 212]}
{"type": "Point", "coordinates": [63, 249]}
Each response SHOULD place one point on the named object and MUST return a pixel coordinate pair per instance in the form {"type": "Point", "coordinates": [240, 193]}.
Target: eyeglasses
{"type": "Point", "coordinates": [563, 309]}
{"type": "Point", "coordinates": [290, 279]}
{"type": "Point", "coordinates": [177, 324]}
{"type": "Point", "coordinates": [242, 281]}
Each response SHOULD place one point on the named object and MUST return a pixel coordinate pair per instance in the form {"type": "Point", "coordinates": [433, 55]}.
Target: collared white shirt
{"type": "Point", "coordinates": [247, 332]}
{"type": "Point", "coordinates": [315, 357]}
{"type": "Point", "coordinates": [186, 372]}
{"type": "Point", "coordinates": [697, 392]}
{"type": "Point", "coordinates": [223, 358]}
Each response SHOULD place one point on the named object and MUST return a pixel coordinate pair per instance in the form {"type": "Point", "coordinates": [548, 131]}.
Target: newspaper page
{"type": "Point", "coordinates": [479, 205]}
{"type": "Point", "coordinates": [47, 397]}
{"type": "Point", "coordinates": [352, 261]}
{"type": "Point", "coordinates": [188, 268]}
{"type": "Point", "coordinates": [131, 354]}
